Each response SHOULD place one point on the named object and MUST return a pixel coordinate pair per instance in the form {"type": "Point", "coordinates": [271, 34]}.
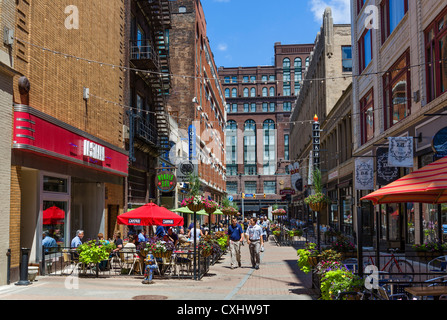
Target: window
{"type": "Point", "coordinates": [253, 92]}
{"type": "Point", "coordinates": [436, 52]}
{"type": "Point", "coordinates": [286, 147]}
{"type": "Point", "coordinates": [250, 187]}
{"type": "Point", "coordinates": [232, 187]}
{"type": "Point", "coordinates": [367, 117]}
{"type": "Point", "coordinates": [392, 12]}
{"type": "Point", "coordinates": [286, 63]}
{"type": "Point", "coordinates": [182, 9]}
{"type": "Point", "coordinates": [231, 141]}
{"type": "Point", "coordinates": [287, 106]}
{"type": "Point", "coordinates": [246, 107]}
{"type": "Point", "coordinates": [231, 169]}
{"type": "Point", "coordinates": [272, 91]}
{"type": "Point", "coordinates": [397, 98]}
{"type": "Point", "coordinates": [253, 107]}
{"type": "Point", "coordinates": [298, 75]}
{"type": "Point", "coordinates": [286, 76]}
{"type": "Point", "coordinates": [264, 92]}
{"type": "Point", "coordinates": [264, 78]}
{"type": "Point", "coordinates": [272, 78]}
{"type": "Point", "coordinates": [245, 92]}
{"type": "Point", "coordinates": [270, 187]}
{"type": "Point", "coordinates": [233, 79]}
{"type": "Point", "coordinates": [365, 50]}
{"type": "Point", "coordinates": [307, 62]}
{"type": "Point", "coordinates": [272, 107]}
{"type": "Point", "coordinates": [252, 79]}
{"type": "Point", "coordinates": [250, 147]}
{"type": "Point", "coordinates": [234, 108]}
{"type": "Point", "coordinates": [265, 107]}
{"type": "Point", "coordinates": [269, 147]}
{"type": "Point", "coordinates": [227, 93]}
{"type": "Point", "coordinates": [346, 59]}
{"type": "Point", "coordinates": [55, 184]}
{"type": "Point", "coordinates": [234, 93]}
{"type": "Point", "coordinates": [286, 90]}
{"type": "Point", "coordinates": [245, 79]}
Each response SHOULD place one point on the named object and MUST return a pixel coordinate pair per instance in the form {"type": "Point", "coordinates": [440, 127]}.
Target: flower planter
{"type": "Point", "coordinates": [166, 254]}
{"type": "Point", "coordinates": [195, 207]}
{"type": "Point", "coordinates": [205, 253]}
{"type": "Point", "coordinates": [210, 210]}
{"type": "Point", "coordinates": [348, 254]}
{"type": "Point", "coordinates": [428, 255]}
{"type": "Point", "coordinates": [313, 261]}
{"type": "Point", "coordinates": [318, 206]}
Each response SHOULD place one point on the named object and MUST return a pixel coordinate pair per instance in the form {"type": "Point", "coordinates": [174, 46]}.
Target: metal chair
{"type": "Point", "coordinates": [443, 297]}
{"type": "Point", "coordinates": [129, 258]}
{"type": "Point", "coordinates": [69, 262]}
{"type": "Point", "coordinates": [385, 294]}
{"type": "Point", "coordinates": [438, 264]}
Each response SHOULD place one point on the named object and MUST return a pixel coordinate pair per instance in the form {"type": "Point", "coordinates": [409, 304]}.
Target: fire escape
{"type": "Point", "coordinates": [152, 55]}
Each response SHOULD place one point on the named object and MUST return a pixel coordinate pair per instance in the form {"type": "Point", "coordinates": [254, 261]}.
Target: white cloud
{"type": "Point", "coordinates": [222, 47]}
{"type": "Point", "coordinates": [341, 10]}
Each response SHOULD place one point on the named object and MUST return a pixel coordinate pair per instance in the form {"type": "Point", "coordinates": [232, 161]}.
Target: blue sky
{"type": "Point", "coordinates": [243, 32]}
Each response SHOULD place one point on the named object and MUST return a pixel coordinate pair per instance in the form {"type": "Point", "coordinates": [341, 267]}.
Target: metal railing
{"type": "Point", "coordinates": [146, 131]}
{"type": "Point", "coordinates": [143, 50]}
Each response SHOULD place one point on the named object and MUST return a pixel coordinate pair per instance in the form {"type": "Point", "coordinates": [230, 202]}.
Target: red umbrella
{"type": "Point", "coordinates": [53, 215]}
{"type": "Point", "coordinates": [426, 185]}
{"type": "Point", "coordinates": [150, 214]}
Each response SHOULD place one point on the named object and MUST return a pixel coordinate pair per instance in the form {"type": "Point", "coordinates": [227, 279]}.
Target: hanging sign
{"type": "Point", "coordinates": [439, 143]}
{"type": "Point", "coordinates": [385, 173]}
{"type": "Point", "coordinates": [401, 152]}
{"type": "Point", "coordinates": [295, 178]}
{"type": "Point", "coordinates": [165, 181]}
{"type": "Point", "coordinates": [364, 174]}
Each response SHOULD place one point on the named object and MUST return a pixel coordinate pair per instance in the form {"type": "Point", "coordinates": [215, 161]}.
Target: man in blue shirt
{"type": "Point", "coordinates": [141, 236]}
{"type": "Point", "coordinates": [236, 237]}
{"type": "Point", "coordinates": [48, 242]}
{"type": "Point", "coordinates": [160, 231]}
{"type": "Point", "coordinates": [76, 242]}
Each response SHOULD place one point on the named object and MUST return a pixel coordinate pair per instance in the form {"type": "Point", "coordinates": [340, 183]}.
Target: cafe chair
{"type": "Point", "coordinates": [129, 258]}
{"type": "Point", "coordinates": [443, 297]}
{"type": "Point", "coordinates": [438, 264]}
{"type": "Point", "coordinates": [69, 263]}
{"type": "Point", "coordinates": [384, 293]}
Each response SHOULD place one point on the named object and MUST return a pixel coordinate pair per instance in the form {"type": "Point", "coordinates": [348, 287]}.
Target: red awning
{"type": "Point", "coordinates": [53, 215]}
{"type": "Point", "coordinates": [426, 185]}
{"type": "Point", "coordinates": [150, 214]}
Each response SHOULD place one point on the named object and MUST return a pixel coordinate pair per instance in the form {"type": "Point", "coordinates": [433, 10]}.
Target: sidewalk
{"type": "Point", "coordinates": [277, 279]}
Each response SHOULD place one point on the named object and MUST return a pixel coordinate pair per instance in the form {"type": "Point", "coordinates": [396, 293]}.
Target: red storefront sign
{"type": "Point", "coordinates": [40, 133]}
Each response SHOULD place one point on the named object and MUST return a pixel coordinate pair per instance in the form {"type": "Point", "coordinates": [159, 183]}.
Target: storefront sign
{"type": "Point", "coordinates": [364, 174]}
{"type": "Point", "coordinates": [165, 181]}
{"type": "Point", "coordinates": [93, 150]}
{"type": "Point", "coordinates": [401, 152]}
{"type": "Point", "coordinates": [192, 142]}
{"type": "Point", "coordinates": [39, 133]}
{"type": "Point", "coordinates": [385, 173]}
{"type": "Point", "coordinates": [439, 143]}
{"type": "Point", "coordinates": [184, 169]}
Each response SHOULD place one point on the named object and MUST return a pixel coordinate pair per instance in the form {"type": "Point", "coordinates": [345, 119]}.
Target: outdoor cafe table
{"type": "Point", "coordinates": [435, 291]}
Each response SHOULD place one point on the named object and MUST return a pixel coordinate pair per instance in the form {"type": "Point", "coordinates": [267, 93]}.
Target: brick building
{"type": "Point", "coordinates": [7, 72]}
{"type": "Point", "coordinates": [68, 158]}
{"type": "Point", "coordinates": [259, 103]}
{"type": "Point", "coordinates": [400, 92]}
{"type": "Point", "coordinates": [196, 99]}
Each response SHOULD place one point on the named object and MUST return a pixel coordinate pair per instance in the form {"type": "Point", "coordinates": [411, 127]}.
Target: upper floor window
{"type": "Point", "coordinates": [227, 93]}
{"type": "Point", "coordinates": [245, 79]}
{"type": "Point", "coordinates": [227, 79]}
{"type": "Point", "coordinates": [298, 70]}
{"type": "Point", "coordinates": [287, 106]}
{"type": "Point", "coordinates": [253, 92]}
{"type": "Point", "coordinates": [286, 63]}
{"type": "Point", "coordinates": [245, 92]}
{"type": "Point", "coordinates": [272, 91]}
{"type": "Point", "coordinates": [367, 117]}
{"type": "Point", "coordinates": [392, 12]}
{"type": "Point", "coordinates": [346, 58]}
{"type": "Point", "coordinates": [307, 62]}
{"type": "Point", "coordinates": [264, 92]}
{"type": "Point", "coordinates": [365, 50]}
{"type": "Point", "coordinates": [436, 56]}
{"type": "Point", "coordinates": [397, 91]}
{"type": "Point", "coordinates": [234, 93]}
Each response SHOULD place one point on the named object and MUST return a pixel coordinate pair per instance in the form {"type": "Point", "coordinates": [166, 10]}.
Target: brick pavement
{"type": "Point", "coordinates": [277, 279]}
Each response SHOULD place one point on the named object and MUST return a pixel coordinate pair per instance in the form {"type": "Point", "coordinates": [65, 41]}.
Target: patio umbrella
{"type": "Point", "coordinates": [53, 215]}
{"type": "Point", "coordinates": [426, 185]}
{"type": "Point", "coordinates": [186, 210]}
{"type": "Point", "coordinates": [150, 214]}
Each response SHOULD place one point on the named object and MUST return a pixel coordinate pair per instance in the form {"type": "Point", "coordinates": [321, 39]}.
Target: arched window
{"type": "Point", "coordinates": [298, 70]}
{"type": "Point", "coordinates": [231, 147]}
{"type": "Point", "coordinates": [286, 76]}
{"type": "Point", "coordinates": [307, 62]}
{"type": "Point", "coordinates": [245, 92]}
{"type": "Point", "coordinates": [253, 92]}
{"type": "Point", "coordinates": [286, 63]}
{"type": "Point", "coordinates": [227, 93]}
{"type": "Point", "coordinates": [272, 92]}
{"type": "Point", "coordinates": [234, 93]}
{"type": "Point", "coordinates": [250, 147]}
{"type": "Point", "coordinates": [264, 92]}
{"type": "Point", "coordinates": [269, 147]}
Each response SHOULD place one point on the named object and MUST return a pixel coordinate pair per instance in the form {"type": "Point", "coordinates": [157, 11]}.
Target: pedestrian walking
{"type": "Point", "coordinates": [236, 237]}
{"type": "Point", "coordinates": [255, 242]}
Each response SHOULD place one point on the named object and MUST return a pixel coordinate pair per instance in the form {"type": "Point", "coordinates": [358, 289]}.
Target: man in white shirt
{"type": "Point", "coordinates": [255, 241]}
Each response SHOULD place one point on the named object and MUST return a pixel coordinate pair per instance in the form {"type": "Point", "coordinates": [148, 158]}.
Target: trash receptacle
{"type": "Point", "coordinates": [24, 267]}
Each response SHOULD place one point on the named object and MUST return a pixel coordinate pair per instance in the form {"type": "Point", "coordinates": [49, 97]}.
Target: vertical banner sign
{"type": "Point", "coordinates": [401, 152]}
{"type": "Point", "coordinates": [295, 177]}
{"type": "Point", "coordinates": [316, 142]}
{"type": "Point", "coordinates": [364, 174]}
{"type": "Point", "coordinates": [385, 174]}
{"type": "Point", "coordinates": [192, 142]}
{"type": "Point", "coordinates": [310, 175]}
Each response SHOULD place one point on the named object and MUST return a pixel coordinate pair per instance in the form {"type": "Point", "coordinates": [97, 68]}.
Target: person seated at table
{"type": "Point", "coordinates": [48, 242]}
{"type": "Point", "coordinates": [172, 236]}
{"type": "Point", "coordinates": [160, 232]}
{"type": "Point", "coordinates": [149, 269]}
{"type": "Point", "coordinates": [118, 243]}
{"type": "Point", "coordinates": [142, 236]}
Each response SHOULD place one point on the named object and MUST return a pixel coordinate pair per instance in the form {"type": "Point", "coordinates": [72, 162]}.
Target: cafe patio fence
{"type": "Point", "coordinates": [63, 261]}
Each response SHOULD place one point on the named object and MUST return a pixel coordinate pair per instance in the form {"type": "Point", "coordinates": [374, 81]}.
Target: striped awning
{"type": "Point", "coordinates": [426, 185]}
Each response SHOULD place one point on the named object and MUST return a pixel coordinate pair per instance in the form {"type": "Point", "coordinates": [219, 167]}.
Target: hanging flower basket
{"type": "Point", "coordinates": [210, 206]}
{"type": "Point", "coordinates": [279, 212]}
{"type": "Point", "coordinates": [166, 254]}
{"type": "Point", "coordinates": [318, 206]}
{"type": "Point", "coordinates": [229, 211]}
{"type": "Point", "coordinates": [195, 207]}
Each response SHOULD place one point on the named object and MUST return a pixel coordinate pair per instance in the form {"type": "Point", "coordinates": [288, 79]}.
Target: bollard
{"type": "Point", "coordinates": [8, 268]}
{"type": "Point", "coordinates": [24, 268]}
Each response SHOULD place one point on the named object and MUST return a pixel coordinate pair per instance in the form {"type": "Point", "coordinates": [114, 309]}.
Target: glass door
{"type": "Point", "coordinates": [54, 223]}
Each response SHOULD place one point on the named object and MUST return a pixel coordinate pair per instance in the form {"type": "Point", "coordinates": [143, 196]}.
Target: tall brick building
{"type": "Point", "coordinates": [7, 72]}
{"type": "Point", "coordinates": [196, 99]}
{"type": "Point", "coordinates": [68, 156]}
{"type": "Point", "coordinates": [259, 103]}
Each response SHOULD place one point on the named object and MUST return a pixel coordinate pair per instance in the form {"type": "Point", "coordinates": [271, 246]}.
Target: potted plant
{"type": "Point", "coordinates": [307, 257]}
{"type": "Point", "coordinates": [205, 248]}
{"type": "Point", "coordinates": [209, 205]}
{"type": "Point", "coordinates": [430, 249]}
{"type": "Point", "coordinates": [318, 201]}
{"type": "Point", "coordinates": [338, 281]}
{"type": "Point", "coordinates": [345, 247]}
{"type": "Point", "coordinates": [160, 248]}
{"type": "Point", "coordinates": [195, 201]}
{"type": "Point", "coordinates": [92, 252]}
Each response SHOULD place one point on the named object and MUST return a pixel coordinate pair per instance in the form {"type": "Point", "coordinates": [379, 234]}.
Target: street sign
{"type": "Point", "coordinates": [230, 198]}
